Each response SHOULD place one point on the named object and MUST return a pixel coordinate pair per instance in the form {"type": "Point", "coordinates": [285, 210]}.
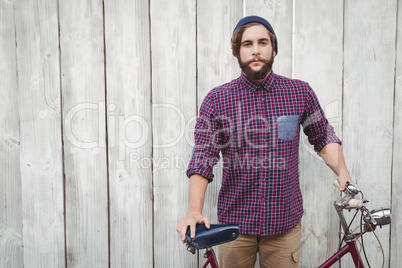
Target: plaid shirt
{"type": "Point", "coordinates": [256, 128]}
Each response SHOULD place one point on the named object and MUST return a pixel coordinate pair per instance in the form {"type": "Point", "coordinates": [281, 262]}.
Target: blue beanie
{"type": "Point", "coordinates": [249, 19]}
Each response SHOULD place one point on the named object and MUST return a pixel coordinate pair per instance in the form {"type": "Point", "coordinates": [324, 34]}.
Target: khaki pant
{"type": "Point", "coordinates": [276, 251]}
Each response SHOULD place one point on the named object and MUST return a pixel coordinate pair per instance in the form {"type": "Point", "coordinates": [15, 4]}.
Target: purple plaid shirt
{"type": "Point", "coordinates": [256, 128]}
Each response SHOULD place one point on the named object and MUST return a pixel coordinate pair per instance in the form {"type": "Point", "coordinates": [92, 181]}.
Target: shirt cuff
{"type": "Point", "coordinates": [326, 141]}
{"type": "Point", "coordinates": [206, 172]}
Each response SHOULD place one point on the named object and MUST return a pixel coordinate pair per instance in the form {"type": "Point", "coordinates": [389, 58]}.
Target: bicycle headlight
{"type": "Point", "coordinates": [381, 215]}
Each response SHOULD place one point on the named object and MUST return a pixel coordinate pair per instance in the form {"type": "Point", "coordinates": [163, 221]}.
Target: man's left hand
{"type": "Point", "coordinates": [342, 179]}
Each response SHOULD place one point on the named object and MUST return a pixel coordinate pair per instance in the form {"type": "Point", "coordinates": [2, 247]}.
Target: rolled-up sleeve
{"type": "Point", "coordinates": [207, 139]}
{"type": "Point", "coordinates": [316, 126]}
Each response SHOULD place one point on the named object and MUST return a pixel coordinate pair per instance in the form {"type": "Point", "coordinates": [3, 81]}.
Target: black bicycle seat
{"type": "Point", "coordinates": [217, 234]}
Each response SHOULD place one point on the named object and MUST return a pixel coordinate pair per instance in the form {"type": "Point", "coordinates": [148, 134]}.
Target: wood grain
{"type": "Point", "coordinates": [84, 127]}
{"type": "Point", "coordinates": [40, 127]}
{"type": "Point", "coordinates": [11, 250]}
{"type": "Point", "coordinates": [129, 132]}
{"type": "Point", "coordinates": [396, 191]}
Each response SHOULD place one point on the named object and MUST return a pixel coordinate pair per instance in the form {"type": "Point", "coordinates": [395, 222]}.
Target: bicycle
{"type": "Point", "coordinates": [222, 233]}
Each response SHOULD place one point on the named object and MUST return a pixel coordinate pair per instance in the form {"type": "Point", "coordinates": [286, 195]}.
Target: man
{"type": "Point", "coordinates": [254, 121]}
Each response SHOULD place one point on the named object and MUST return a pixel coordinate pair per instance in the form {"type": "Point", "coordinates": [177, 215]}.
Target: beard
{"type": "Point", "coordinates": [261, 73]}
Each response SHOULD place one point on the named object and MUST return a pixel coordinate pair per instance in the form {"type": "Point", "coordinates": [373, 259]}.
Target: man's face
{"type": "Point", "coordinates": [256, 54]}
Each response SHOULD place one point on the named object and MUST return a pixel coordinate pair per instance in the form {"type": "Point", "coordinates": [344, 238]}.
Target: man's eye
{"type": "Point", "coordinates": [264, 43]}
{"type": "Point", "coordinates": [246, 44]}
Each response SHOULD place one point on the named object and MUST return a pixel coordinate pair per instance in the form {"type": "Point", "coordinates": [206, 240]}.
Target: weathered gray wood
{"type": "Point", "coordinates": [11, 250]}
{"type": "Point", "coordinates": [279, 13]}
{"type": "Point", "coordinates": [396, 209]}
{"type": "Point", "coordinates": [129, 132]}
{"type": "Point", "coordinates": [369, 63]}
{"type": "Point", "coordinates": [40, 127]}
{"type": "Point", "coordinates": [317, 50]}
{"type": "Point", "coordinates": [173, 36]}
{"type": "Point", "coordinates": [83, 95]}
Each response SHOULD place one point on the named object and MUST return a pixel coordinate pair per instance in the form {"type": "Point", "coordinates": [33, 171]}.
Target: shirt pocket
{"type": "Point", "coordinates": [287, 127]}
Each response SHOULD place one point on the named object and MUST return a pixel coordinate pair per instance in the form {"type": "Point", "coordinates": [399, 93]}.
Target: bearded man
{"type": "Point", "coordinates": [254, 122]}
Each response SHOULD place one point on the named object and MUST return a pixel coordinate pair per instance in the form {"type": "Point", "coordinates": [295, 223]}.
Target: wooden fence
{"type": "Point", "coordinates": [98, 101]}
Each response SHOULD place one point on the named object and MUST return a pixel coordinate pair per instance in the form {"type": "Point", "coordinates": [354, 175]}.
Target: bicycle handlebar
{"type": "Point", "coordinates": [377, 217]}
{"type": "Point", "coordinates": [349, 201]}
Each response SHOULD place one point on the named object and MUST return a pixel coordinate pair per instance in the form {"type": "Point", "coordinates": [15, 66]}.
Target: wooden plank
{"type": "Point", "coordinates": [279, 13]}
{"type": "Point", "coordinates": [369, 63]}
{"type": "Point", "coordinates": [215, 65]}
{"type": "Point", "coordinates": [396, 209]}
{"type": "Point", "coordinates": [83, 102]}
{"type": "Point", "coordinates": [129, 132]}
{"type": "Point", "coordinates": [11, 250]}
{"type": "Point", "coordinates": [317, 51]}
{"type": "Point", "coordinates": [173, 44]}
{"type": "Point", "coordinates": [41, 143]}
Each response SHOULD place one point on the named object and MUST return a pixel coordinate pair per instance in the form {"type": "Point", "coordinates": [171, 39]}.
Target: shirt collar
{"type": "Point", "coordinates": [253, 85]}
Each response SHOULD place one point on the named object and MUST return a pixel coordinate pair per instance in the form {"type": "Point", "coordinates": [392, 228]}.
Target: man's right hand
{"type": "Point", "coordinates": [191, 220]}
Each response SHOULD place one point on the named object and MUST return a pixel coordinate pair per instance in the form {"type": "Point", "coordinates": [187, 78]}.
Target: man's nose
{"type": "Point", "coordinates": [256, 50]}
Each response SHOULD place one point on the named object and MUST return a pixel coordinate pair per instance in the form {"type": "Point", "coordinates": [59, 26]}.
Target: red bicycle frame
{"type": "Point", "coordinates": [211, 259]}
{"type": "Point", "coordinates": [351, 248]}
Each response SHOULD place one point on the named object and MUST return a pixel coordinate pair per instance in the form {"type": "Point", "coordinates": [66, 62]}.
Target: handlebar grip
{"type": "Point", "coordinates": [355, 203]}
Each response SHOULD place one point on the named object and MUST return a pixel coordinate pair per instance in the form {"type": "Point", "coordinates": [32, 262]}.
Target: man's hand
{"type": "Point", "coordinates": [191, 220]}
{"type": "Point", "coordinates": [198, 186]}
{"type": "Point", "coordinates": [342, 179]}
